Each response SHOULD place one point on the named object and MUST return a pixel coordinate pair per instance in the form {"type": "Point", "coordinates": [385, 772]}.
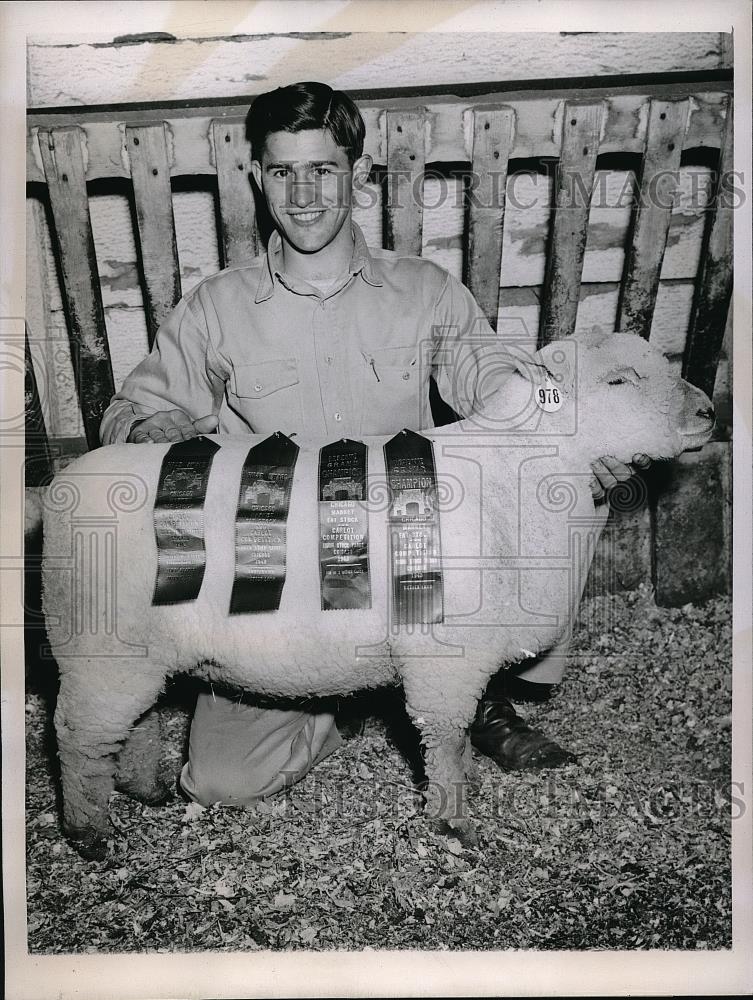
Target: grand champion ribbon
{"type": "Point", "coordinates": [260, 525]}
{"type": "Point", "coordinates": [415, 550]}
{"type": "Point", "coordinates": [343, 526]}
{"type": "Point", "coordinates": [179, 520]}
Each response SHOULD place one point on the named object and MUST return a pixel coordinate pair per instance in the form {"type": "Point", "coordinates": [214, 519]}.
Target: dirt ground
{"type": "Point", "coordinates": [627, 848]}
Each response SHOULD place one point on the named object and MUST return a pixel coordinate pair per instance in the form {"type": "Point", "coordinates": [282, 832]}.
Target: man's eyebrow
{"type": "Point", "coordinates": [293, 163]}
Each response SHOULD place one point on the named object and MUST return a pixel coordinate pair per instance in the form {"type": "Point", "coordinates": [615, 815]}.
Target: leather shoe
{"type": "Point", "coordinates": [501, 734]}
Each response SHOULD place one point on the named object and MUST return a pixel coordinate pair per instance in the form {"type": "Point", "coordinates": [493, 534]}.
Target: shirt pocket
{"type": "Point", "coordinates": [267, 395]}
{"type": "Point", "coordinates": [391, 390]}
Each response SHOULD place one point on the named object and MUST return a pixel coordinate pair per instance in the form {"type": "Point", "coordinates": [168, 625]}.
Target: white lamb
{"type": "Point", "coordinates": [514, 493]}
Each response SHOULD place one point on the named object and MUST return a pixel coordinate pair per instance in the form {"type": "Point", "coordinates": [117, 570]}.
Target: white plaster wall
{"type": "Point", "coordinates": [107, 72]}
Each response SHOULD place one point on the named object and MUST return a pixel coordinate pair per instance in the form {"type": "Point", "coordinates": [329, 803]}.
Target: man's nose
{"type": "Point", "coordinates": [303, 193]}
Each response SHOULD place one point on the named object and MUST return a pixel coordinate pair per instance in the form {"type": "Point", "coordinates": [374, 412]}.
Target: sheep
{"type": "Point", "coordinates": [513, 481]}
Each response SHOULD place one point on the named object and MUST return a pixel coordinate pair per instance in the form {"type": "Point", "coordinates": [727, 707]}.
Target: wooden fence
{"type": "Point", "coordinates": [487, 140]}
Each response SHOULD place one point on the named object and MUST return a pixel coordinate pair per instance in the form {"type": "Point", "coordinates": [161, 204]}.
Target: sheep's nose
{"type": "Point", "coordinates": [707, 412]}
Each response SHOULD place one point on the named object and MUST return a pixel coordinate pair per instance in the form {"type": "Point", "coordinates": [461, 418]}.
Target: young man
{"type": "Point", "coordinates": [324, 334]}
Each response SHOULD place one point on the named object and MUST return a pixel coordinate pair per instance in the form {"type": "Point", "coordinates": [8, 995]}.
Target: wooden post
{"type": "Point", "coordinates": [63, 163]}
{"type": "Point", "coordinates": [714, 283]}
{"type": "Point", "coordinates": [640, 280]}
{"type": "Point", "coordinates": [493, 137]}
{"type": "Point", "coordinates": [232, 156]}
{"type": "Point", "coordinates": [406, 158]}
{"type": "Point", "coordinates": [38, 468]}
{"type": "Point", "coordinates": [581, 131]}
{"type": "Point", "coordinates": [150, 172]}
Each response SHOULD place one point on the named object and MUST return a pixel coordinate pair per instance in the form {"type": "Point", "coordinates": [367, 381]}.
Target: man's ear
{"type": "Point", "coordinates": [361, 170]}
{"type": "Point", "coordinates": [256, 172]}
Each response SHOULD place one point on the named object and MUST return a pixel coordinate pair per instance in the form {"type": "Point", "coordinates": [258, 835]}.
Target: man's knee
{"type": "Point", "coordinates": [209, 781]}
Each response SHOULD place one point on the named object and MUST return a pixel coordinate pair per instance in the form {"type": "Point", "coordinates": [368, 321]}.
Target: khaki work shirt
{"type": "Point", "coordinates": [267, 352]}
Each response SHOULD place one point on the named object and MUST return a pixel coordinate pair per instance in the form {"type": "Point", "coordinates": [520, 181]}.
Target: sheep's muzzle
{"type": "Point", "coordinates": [695, 417]}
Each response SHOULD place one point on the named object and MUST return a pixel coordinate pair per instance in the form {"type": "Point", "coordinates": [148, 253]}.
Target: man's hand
{"type": "Point", "coordinates": [608, 472]}
{"type": "Point", "coordinates": [171, 425]}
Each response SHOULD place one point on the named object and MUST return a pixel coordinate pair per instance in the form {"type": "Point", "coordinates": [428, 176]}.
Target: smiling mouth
{"type": "Point", "coordinates": [305, 218]}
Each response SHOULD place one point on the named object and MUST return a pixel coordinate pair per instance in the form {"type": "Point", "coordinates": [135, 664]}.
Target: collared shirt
{"type": "Point", "coordinates": [267, 352]}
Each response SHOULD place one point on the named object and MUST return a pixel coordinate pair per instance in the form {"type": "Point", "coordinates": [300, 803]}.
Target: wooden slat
{"type": "Point", "coordinates": [714, 283]}
{"type": "Point", "coordinates": [63, 162]}
{"type": "Point", "coordinates": [538, 126]}
{"type": "Point", "coordinates": [150, 172]}
{"type": "Point", "coordinates": [666, 127]}
{"type": "Point", "coordinates": [38, 470]}
{"type": "Point", "coordinates": [581, 130]}
{"type": "Point", "coordinates": [493, 134]}
{"type": "Point", "coordinates": [232, 157]}
{"type": "Point", "coordinates": [405, 166]}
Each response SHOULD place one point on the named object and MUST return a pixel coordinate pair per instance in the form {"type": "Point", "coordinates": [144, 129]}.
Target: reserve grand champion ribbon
{"type": "Point", "coordinates": [415, 550]}
{"type": "Point", "coordinates": [260, 525]}
{"type": "Point", "coordinates": [343, 526]}
{"type": "Point", "coordinates": [179, 520]}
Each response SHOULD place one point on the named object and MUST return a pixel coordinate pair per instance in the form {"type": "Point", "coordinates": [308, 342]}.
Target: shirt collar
{"type": "Point", "coordinates": [361, 262]}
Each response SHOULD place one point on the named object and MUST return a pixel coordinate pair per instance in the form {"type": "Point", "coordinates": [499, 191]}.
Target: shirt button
{"type": "Point", "coordinates": [329, 360]}
{"type": "Point", "coordinates": [406, 375]}
{"type": "Point", "coordinates": [338, 416]}
{"type": "Point", "coordinates": [258, 387]}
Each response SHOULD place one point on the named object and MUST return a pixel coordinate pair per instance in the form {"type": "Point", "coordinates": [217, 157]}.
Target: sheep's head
{"type": "Point", "coordinates": [626, 397]}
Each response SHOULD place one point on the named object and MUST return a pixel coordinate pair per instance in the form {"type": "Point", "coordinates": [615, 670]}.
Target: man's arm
{"type": "Point", "coordinates": [464, 346]}
{"type": "Point", "coordinates": [175, 392]}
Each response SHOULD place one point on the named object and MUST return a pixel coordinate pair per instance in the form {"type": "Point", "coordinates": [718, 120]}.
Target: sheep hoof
{"type": "Point", "coordinates": [158, 793]}
{"type": "Point", "coordinates": [460, 830]}
{"type": "Point", "coordinates": [91, 846]}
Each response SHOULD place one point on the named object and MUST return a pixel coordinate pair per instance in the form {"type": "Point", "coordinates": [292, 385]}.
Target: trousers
{"type": "Point", "coordinates": [239, 753]}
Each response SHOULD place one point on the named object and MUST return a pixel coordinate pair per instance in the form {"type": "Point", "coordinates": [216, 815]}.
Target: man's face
{"type": "Point", "coordinates": [307, 183]}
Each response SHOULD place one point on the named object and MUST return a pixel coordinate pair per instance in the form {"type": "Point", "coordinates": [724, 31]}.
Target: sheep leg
{"type": "Point", "coordinates": [445, 791]}
{"type": "Point", "coordinates": [442, 703]}
{"type": "Point", "coordinates": [140, 771]}
{"type": "Point", "coordinates": [94, 714]}
{"type": "Point", "coordinates": [469, 764]}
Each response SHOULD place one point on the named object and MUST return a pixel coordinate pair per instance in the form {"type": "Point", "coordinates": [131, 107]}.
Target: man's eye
{"type": "Point", "coordinates": [280, 172]}
{"type": "Point", "coordinates": [322, 171]}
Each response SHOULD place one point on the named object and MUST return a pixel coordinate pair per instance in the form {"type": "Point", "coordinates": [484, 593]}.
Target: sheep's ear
{"type": "Point", "coordinates": [534, 371]}
{"type": "Point", "coordinates": [554, 363]}
{"type": "Point", "coordinates": [558, 360]}
{"type": "Point", "coordinates": [593, 337]}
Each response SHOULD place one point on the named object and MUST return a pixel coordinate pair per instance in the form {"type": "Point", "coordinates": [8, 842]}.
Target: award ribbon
{"type": "Point", "coordinates": [343, 526]}
{"type": "Point", "coordinates": [415, 550]}
{"type": "Point", "coordinates": [179, 520]}
{"type": "Point", "coordinates": [260, 525]}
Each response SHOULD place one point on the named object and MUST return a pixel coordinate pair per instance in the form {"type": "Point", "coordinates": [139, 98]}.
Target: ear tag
{"type": "Point", "coordinates": [548, 396]}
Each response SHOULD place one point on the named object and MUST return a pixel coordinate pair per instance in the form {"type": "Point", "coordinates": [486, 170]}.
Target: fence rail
{"type": "Point", "coordinates": [485, 137]}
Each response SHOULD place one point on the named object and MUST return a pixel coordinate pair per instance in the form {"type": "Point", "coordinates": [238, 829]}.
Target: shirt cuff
{"type": "Point", "coordinates": [118, 422]}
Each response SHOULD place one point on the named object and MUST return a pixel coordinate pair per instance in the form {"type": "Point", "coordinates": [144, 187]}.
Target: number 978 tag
{"type": "Point", "coordinates": [548, 396]}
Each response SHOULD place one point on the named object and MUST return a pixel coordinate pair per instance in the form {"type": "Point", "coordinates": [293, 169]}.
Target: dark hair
{"type": "Point", "coordinates": [306, 106]}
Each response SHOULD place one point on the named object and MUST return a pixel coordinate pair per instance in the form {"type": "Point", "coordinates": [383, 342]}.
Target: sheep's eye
{"type": "Point", "coordinates": [624, 376]}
